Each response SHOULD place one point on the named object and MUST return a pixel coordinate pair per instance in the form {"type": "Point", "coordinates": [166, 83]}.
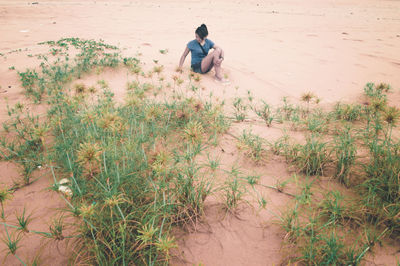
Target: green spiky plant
{"type": "Point", "coordinates": [253, 146]}
{"type": "Point", "coordinates": [23, 221]}
{"type": "Point", "coordinates": [240, 109]}
{"type": "Point", "coordinates": [5, 195]}
{"type": "Point", "coordinates": [307, 98]}
{"type": "Point", "coordinates": [345, 153]}
{"type": "Point", "coordinates": [120, 177]}
{"type": "Point", "coordinates": [234, 189]}
{"type": "Point", "coordinates": [312, 157]}
{"type": "Point", "coordinates": [12, 244]}
{"type": "Point", "coordinates": [265, 113]}
{"type": "Point", "coordinates": [135, 191]}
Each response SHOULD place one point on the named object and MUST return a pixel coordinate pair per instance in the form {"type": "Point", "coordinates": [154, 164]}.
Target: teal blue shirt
{"type": "Point", "coordinates": [197, 53]}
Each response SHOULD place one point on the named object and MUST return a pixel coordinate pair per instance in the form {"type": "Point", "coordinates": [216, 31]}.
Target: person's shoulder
{"type": "Point", "coordinates": [211, 43]}
{"type": "Point", "coordinates": [191, 44]}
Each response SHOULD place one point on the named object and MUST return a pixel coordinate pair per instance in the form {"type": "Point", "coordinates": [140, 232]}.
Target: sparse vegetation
{"type": "Point", "coordinates": [132, 167]}
{"type": "Point", "coordinates": [253, 146]}
{"type": "Point", "coordinates": [364, 156]}
{"type": "Point", "coordinates": [240, 109]}
{"type": "Point", "coordinates": [265, 113]}
{"type": "Point", "coordinates": [130, 172]}
{"type": "Point", "coordinates": [234, 189]}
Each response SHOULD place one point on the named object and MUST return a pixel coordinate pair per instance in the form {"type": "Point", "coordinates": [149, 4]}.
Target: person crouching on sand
{"type": "Point", "coordinates": [202, 61]}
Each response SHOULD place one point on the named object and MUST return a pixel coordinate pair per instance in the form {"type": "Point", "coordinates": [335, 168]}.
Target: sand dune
{"type": "Point", "coordinates": [272, 48]}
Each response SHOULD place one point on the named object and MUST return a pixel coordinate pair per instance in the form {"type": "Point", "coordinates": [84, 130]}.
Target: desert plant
{"type": "Point", "coordinates": [345, 153]}
{"type": "Point", "coordinates": [372, 91]}
{"type": "Point", "coordinates": [320, 229]}
{"type": "Point", "coordinates": [240, 109]}
{"type": "Point", "coordinates": [194, 131]}
{"type": "Point", "coordinates": [348, 112]}
{"type": "Point", "coordinates": [234, 189]}
{"type": "Point", "coordinates": [213, 163]}
{"type": "Point", "coordinates": [289, 221]}
{"type": "Point", "coordinates": [80, 88]}
{"type": "Point", "coordinates": [265, 113]}
{"type": "Point", "coordinates": [5, 195]}
{"type": "Point", "coordinates": [253, 146]}
{"type": "Point", "coordinates": [158, 69]}
{"type": "Point", "coordinates": [12, 244]}
{"type": "Point", "coordinates": [307, 97]}
{"type": "Point", "coordinates": [23, 221]}
{"type": "Point", "coordinates": [56, 228]}
{"type": "Point", "coordinates": [316, 123]}
{"type": "Point", "coordinates": [313, 156]}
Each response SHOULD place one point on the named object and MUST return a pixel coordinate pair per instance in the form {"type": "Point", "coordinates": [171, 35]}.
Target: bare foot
{"type": "Point", "coordinates": [222, 81]}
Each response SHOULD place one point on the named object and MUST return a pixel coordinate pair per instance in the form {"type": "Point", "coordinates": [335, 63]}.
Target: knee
{"type": "Point", "coordinates": [217, 53]}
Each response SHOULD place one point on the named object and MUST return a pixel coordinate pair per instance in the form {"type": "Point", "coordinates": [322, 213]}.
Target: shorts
{"type": "Point", "coordinates": [197, 68]}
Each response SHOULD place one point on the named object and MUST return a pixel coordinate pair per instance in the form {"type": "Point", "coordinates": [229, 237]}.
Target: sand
{"type": "Point", "coordinates": [272, 48]}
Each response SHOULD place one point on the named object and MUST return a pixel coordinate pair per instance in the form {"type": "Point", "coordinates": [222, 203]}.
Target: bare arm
{"type": "Point", "coordinates": [185, 53]}
{"type": "Point", "coordinates": [221, 55]}
{"type": "Point", "coordinates": [222, 51]}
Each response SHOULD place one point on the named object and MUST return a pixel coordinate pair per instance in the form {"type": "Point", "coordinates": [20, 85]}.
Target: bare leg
{"type": "Point", "coordinates": [218, 71]}
{"type": "Point", "coordinates": [212, 58]}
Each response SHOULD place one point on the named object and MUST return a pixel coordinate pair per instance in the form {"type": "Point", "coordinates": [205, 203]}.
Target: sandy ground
{"type": "Point", "coordinates": [272, 48]}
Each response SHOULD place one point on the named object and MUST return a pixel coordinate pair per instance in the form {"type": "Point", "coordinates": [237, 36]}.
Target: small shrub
{"type": "Point", "coordinates": [265, 113]}
{"type": "Point", "coordinates": [345, 153]}
{"type": "Point", "coordinates": [234, 189]}
{"type": "Point", "coordinates": [348, 112]}
{"type": "Point", "coordinates": [253, 146]}
{"type": "Point", "coordinates": [313, 156]}
{"type": "Point", "coordinates": [240, 109]}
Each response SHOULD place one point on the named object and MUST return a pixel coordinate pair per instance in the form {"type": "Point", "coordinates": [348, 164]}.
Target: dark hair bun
{"type": "Point", "coordinates": [202, 31]}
